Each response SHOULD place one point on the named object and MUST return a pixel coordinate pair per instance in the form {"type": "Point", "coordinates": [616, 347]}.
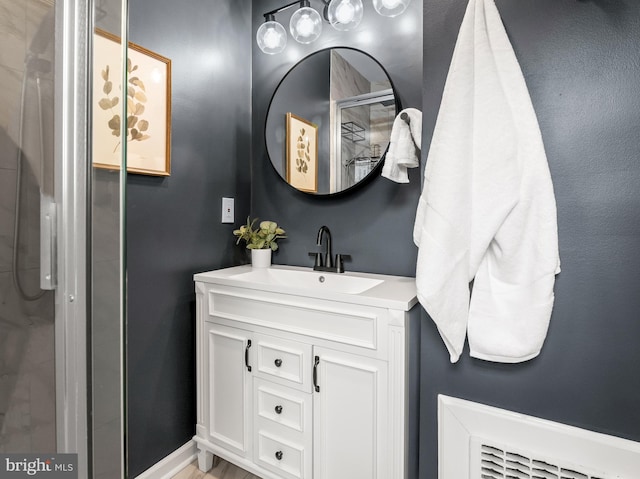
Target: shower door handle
{"type": "Point", "coordinates": [48, 237]}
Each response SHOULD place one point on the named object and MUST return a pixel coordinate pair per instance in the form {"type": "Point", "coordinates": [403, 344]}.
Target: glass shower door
{"type": "Point", "coordinates": [108, 186]}
{"type": "Point", "coordinates": [27, 337]}
{"type": "Point", "coordinates": [61, 363]}
{"type": "Point", "coordinates": [364, 127]}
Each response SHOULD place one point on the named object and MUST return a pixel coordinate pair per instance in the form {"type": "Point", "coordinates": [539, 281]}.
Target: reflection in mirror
{"type": "Point", "coordinates": [345, 105]}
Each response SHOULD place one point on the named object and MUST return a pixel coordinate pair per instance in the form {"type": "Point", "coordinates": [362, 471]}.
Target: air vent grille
{"type": "Point", "coordinates": [499, 462]}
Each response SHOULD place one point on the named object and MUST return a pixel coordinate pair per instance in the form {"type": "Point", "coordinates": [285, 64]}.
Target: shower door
{"type": "Point", "coordinates": [363, 129]}
{"type": "Point", "coordinates": [27, 352]}
{"type": "Point", "coordinates": [61, 254]}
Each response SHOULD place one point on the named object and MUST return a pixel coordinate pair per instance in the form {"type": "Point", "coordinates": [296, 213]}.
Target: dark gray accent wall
{"type": "Point", "coordinates": [581, 63]}
{"type": "Point", "coordinates": [374, 223]}
{"type": "Point", "coordinates": [173, 223]}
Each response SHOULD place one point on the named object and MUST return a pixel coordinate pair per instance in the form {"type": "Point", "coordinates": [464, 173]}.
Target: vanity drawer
{"type": "Point", "coordinates": [282, 457]}
{"type": "Point", "coordinates": [353, 324]}
{"type": "Point", "coordinates": [283, 406]}
{"type": "Point", "coordinates": [282, 429]}
{"type": "Point", "coordinates": [283, 361]}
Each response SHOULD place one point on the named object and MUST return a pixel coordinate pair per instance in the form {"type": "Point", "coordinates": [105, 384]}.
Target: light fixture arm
{"type": "Point", "coordinates": [285, 7]}
{"type": "Point", "coordinates": [325, 10]}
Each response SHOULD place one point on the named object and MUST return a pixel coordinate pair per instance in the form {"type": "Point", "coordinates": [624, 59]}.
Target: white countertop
{"type": "Point", "coordinates": [394, 292]}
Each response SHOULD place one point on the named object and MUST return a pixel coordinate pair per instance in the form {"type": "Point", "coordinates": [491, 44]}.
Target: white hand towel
{"type": "Point", "coordinates": [404, 146]}
{"type": "Point", "coordinates": [487, 212]}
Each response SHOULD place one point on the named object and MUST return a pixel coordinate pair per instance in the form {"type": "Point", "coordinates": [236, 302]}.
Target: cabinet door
{"type": "Point", "coordinates": [229, 357]}
{"type": "Point", "coordinates": [350, 417]}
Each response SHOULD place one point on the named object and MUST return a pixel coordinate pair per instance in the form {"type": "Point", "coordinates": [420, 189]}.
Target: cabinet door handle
{"type": "Point", "coordinates": [246, 355]}
{"type": "Point", "coordinates": [278, 362]}
{"type": "Point", "coordinates": [279, 455]}
{"type": "Point", "coordinates": [278, 409]}
{"type": "Point", "coordinates": [315, 374]}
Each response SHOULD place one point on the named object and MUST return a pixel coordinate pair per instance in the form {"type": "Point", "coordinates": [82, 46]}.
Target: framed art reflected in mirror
{"type": "Point", "coordinates": [302, 153]}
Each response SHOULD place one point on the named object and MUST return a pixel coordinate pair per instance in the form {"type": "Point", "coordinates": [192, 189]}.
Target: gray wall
{"type": "Point", "coordinates": [374, 223]}
{"type": "Point", "coordinates": [173, 224]}
{"type": "Point", "coordinates": [580, 61]}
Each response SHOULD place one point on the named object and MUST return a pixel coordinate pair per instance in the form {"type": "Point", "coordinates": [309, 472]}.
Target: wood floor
{"type": "Point", "coordinates": [222, 470]}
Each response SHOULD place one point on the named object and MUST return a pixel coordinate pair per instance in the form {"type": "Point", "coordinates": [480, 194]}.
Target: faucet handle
{"type": "Point", "coordinates": [340, 262]}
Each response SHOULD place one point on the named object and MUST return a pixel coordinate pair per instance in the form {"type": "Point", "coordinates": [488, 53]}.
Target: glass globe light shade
{"type": "Point", "coordinates": [305, 25]}
{"type": "Point", "coordinates": [271, 37]}
{"type": "Point", "coordinates": [345, 14]}
{"type": "Point", "coordinates": [390, 8]}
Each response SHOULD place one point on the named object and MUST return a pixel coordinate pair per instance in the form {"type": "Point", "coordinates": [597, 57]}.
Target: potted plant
{"type": "Point", "coordinates": [261, 240]}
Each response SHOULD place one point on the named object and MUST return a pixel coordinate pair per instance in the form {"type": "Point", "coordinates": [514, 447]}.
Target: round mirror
{"type": "Point", "coordinates": [329, 121]}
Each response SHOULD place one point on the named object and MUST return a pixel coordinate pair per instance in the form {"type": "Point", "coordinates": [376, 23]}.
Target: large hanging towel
{"type": "Point", "coordinates": [487, 213]}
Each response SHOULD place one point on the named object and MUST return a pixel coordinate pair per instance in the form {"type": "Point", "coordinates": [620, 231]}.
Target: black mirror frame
{"type": "Point", "coordinates": [375, 171]}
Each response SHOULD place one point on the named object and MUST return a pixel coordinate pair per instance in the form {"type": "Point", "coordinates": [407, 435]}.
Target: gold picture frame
{"type": "Point", "coordinates": [148, 126]}
{"type": "Point", "coordinates": [302, 153]}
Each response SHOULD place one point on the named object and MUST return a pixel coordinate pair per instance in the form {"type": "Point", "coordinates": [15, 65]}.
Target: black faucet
{"type": "Point", "coordinates": [324, 261]}
{"type": "Point", "coordinates": [328, 256]}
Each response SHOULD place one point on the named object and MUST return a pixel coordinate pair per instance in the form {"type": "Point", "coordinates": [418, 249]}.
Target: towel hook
{"type": "Point", "coordinates": [407, 119]}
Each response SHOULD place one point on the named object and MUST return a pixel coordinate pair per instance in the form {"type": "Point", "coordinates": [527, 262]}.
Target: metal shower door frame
{"type": "Point", "coordinates": [72, 298]}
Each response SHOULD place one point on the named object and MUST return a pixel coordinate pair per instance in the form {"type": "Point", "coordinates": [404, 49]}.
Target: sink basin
{"type": "Point", "coordinates": [316, 280]}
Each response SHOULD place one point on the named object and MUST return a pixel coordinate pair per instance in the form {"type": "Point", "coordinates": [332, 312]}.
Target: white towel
{"type": "Point", "coordinates": [487, 212]}
{"type": "Point", "coordinates": [404, 146]}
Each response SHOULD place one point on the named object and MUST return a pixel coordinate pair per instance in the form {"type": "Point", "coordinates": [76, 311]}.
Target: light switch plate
{"type": "Point", "coordinates": [227, 210]}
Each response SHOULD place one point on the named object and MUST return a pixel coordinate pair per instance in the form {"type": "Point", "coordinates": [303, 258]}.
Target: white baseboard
{"type": "Point", "coordinates": [172, 464]}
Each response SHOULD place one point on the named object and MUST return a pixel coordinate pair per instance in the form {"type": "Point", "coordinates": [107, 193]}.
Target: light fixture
{"type": "Point", "coordinates": [271, 36]}
{"type": "Point", "coordinates": [344, 14]}
{"type": "Point", "coordinates": [390, 8]}
{"type": "Point", "coordinates": [305, 24]}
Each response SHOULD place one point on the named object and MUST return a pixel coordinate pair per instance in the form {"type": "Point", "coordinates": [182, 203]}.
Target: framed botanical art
{"type": "Point", "coordinates": [148, 96]}
{"type": "Point", "coordinates": [302, 153]}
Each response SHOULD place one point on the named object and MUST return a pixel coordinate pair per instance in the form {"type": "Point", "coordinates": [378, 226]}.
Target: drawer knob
{"type": "Point", "coordinates": [279, 455]}
{"type": "Point", "coordinates": [278, 409]}
{"type": "Point", "coordinates": [278, 362]}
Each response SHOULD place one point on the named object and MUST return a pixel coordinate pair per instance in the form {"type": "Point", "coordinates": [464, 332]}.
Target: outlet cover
{"type": "Point", "coordinates": [227, 210]}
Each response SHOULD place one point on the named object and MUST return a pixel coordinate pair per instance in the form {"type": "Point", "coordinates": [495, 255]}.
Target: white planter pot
{"type": "Point", "coordinates": [261, 258]}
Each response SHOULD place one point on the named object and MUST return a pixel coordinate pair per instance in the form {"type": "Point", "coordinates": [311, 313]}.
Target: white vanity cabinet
{"type": "Point", "coordinates": [296, 383]}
